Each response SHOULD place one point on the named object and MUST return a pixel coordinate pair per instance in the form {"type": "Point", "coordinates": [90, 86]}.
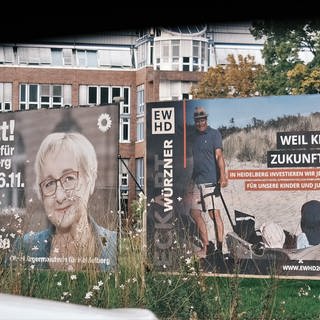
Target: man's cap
{"type": "Point", "coordinates": [200, 113]}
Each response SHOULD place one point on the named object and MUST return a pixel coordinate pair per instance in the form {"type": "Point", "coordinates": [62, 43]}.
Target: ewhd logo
{"type": "Point", "coordinates": [163, 121]}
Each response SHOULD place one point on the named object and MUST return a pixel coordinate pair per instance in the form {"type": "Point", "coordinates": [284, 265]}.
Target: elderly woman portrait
{"type": "Point", "coordinates": [65, 175]}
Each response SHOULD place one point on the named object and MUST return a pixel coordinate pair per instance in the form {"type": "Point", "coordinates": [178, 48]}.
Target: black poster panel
{"type": "Point", "coordinates": [270, 206]}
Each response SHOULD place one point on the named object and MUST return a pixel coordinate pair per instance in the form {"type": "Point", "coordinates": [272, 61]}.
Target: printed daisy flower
{"type": "Point", "coordinates": [104, 122]}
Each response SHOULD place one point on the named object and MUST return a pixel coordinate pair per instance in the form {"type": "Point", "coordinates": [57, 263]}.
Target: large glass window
{"type": "Point", "coordinates": [181, 54]}
{"type": "Point", "coordinates": [56, 57]}
{"type": "Point", "coordinates": [35, 96]}
{"type": "Point", "coordinates": [96, 95]}
{"type": "Point", "coordinates": [87, 58]}
{"type": "Point", "coordinates": [34, 55]}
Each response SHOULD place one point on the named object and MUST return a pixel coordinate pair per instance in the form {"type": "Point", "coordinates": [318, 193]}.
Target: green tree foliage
{"type": "Point", "coordinates": [284, 71]}
{"type": "Point", "coordinates": [236, 79]}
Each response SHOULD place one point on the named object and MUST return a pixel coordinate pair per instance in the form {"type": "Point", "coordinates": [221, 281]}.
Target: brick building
{"type": "Point", "coordinates": [140, 66]}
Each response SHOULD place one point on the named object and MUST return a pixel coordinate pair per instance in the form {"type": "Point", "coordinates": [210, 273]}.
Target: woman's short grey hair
{"type": "Point", "coordinates": [75, 142]}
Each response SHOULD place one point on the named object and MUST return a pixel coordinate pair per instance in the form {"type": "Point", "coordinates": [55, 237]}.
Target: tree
{"type": "Point", "coordinates": [241, 76]}
{"type": "Point", "coordinates": [284, 42]}
{"type": "Point", "coordinates": [236, 79]}
{"type": "Point", "coordinates": [213, 84]}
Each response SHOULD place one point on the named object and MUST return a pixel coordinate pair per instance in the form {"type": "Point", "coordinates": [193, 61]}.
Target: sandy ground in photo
{"type": "Point", "coordinates": [282, 207]}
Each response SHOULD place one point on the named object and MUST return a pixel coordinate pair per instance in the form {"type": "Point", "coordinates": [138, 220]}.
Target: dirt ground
{"type": "Point", "coordinates": [282, 207]}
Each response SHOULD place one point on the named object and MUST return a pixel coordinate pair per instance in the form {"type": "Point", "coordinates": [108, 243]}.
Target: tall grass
{"type": "Point", "coordinates": [252, 143]}
{"type": "Point", "coordinates": [186, 294]}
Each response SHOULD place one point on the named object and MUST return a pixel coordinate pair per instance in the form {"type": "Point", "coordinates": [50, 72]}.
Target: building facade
{"type": "Point", "coordinates": [140, 66]}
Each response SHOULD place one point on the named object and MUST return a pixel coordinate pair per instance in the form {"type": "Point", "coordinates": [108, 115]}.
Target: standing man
{"type": "Point", "coordinates": [208, 172]}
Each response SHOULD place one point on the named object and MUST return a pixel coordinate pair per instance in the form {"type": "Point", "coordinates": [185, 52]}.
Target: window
{"type": "Point", "coordinates": [116, 92]}
{"type": "Point", "coordinates": [123, 174]}
{"type": "Point", "coordinates": [5, 96]}
{"type": "Point", "coordinates": [195, 55]}
{"type": "Point", "coordinates": [104, 95]}
{"type": "Point", "coordinates": [142, 54]}
{"type": "Point", "coordinates": [175, 54]}
{"type": "Point", "coordinates": [185, 96]}
{"type": "Point", "coordinates": [93, 96]}
{"type": "Point", "coordinates": [203, 55]}
{"type": "Point", "coordinates": [96, 95]}
{"type": "Point", "coordinates": [157, 55]}
{"type": "Point", "coordinates": [140, 113]}
{"type": "Point", "coordinates": [6, 55]}
{"type": "Point", "coordinates": [124, 129]}
{"type": "Point", "coordinates": [140, 128]}
{"type": "Point", "coordinates": [56, 57]}
{"type": "Point", "coordinates": [140, 99]}
{"type": "Point", "coordinates": [87, 58]}
{"type": "Point", "coordinates": [45, 96]}
{"type": "Point", "coordinates": [151, 53]}
{"type": "Point", "coordinates": [125, 93]}
{"type": "Point", "coordinates": [35, 96]}
{"type": "Point", "coordinates": [140, 173]}
{"type": "Point", "coordinates": [115, 57]}
{"type": "Point", "coordinates": [34, 55]}
{"type": "Point", "coordinates": [56, 96]}
{"type": "Point", "coordinates": [165, 51]}
{"type": "Point", "coordinates": [126, 102]}
{"type": "Point", "coordinates": [124, 185]}
{"type": "Point", "coordinates": [185, 64]}
{"type": "Point", "coordinates": [67, 57]}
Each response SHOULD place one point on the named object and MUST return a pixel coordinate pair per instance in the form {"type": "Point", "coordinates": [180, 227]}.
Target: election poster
{"type": "Point", "coordinates": [261, 158]}
{"type": "Point", "coordinates": [58, 188]}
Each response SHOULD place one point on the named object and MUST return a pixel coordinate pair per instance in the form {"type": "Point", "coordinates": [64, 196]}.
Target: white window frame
{"type": "Point", "coordinates": [140, 173]}
{"type": "Point", "coordinates": [123, 174]}
{"type": "Point", "coordinates": [140, 100]}
{"type": "Point", "coordinates": [175, 44]}
{"type": "Point", "coordinates": [38, 104]}
{"type": "Point", "coordinates": [140, 128]}
{"type": "Point", "coordinates": [113, 91]}
{"type": "Point", "coordinates": [124, 124]}
{"type": "Point", "coordinates": [140, 113]}
{"type": "Point", "coordinates": [82, 58]}
{"type": "Point", "coordinates": [5, 96]}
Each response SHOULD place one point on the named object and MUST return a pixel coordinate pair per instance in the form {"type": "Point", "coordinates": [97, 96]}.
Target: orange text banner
{"type": "Point", "coordinates": [310, 173]}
